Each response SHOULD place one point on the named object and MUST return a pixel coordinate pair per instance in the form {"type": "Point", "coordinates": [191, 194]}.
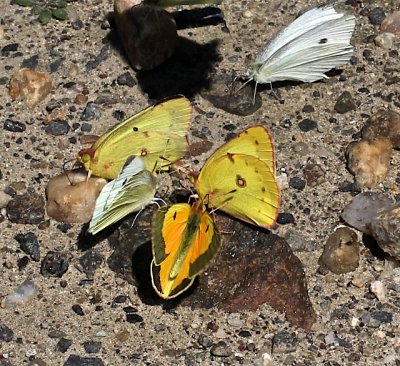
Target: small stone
{"type": "Point", "coordinates": [314, 175]}
{"type": "Point", "coordinates": [385, 40]}
{"type": "Point", "coordinates": [119, 115]}
{"type": "Point", "coordinates": [308, 108]}
{"type": "Point", "coordinates": [126, 79]}
{"type": "Point", "coordinates": [307, 125]}
{"type": "Point", "coordinates": [26, 209]}
{"type": "Point", "coordinates": [92, 346]}
{"type": "Point", "coordinates": [31, 62]}
{"type": "Point", "coordinates": [90, 261]}
{"type": "Point", "coordinates": [64, 227]}
{"type": "Point", "coordinates": [285, 218]}
{"type": "Point", "coordinates": [284, 342]}
{"type": "Point", "coordinates": [376, 15]}
{"type": "Point", "coordinates": [33, 86]}
{"type": "Point", "coordinates": [204, 341]}
{"type": "Point", "coordinates": [75, 360]}
{"type": "Point", "coordinates": [6, 334]}
{"type": "Point", "coordinates": [369, 161]}
{"type": "Point", "coordinates": [102, 56]}
{"type": "Point", "coordinates": [220, 349]}
{"type": "Point", "coordinates": [379, 290]}
{"type": "Point", "coordinates": [14, 126]}
{"type": "Point", "coordinates": [234, 320]}
{"type": "Point", "coordinates": [63, 345]}
{"type": "Point", "coordinates": [23, 294]}
{"type": "Point", "coordinates": [29, 244]}
{"type": "Point", "coordinates": [120, 299]}
{"type": "Point", "coordinates": [341, 252]}
{"type": "Point", "coordinates": [56, 333]}
{"type": "Point", "coordinates": [382, 317]}
{"type": "Point", "coordinates": [364, 207]}
{"type": "Point", "coordinates": [91, 112]}
{"type": "Point", "coordinates": [134, 318]}
{"type": "Point", "coordinates": [247, 14]}
{"type": "Point", "coordinates": [9, 48]}
{"type": "Point", "coordinates": [58, 128]}
{"type": "Point", "coordinates": [391, 23]}
{"type": "Point", "coordinates": [345, 103]}
{"type": "Point", "coordinates": [77, 309]}
{"type": "Point", "coordinates": [297, 183]}
{"type": "Point", "coordinates": [86, 127]}
{"type": "Point", "coordinates": [22, 262]}
{"type": "Point", "coordinates": [54, 264]}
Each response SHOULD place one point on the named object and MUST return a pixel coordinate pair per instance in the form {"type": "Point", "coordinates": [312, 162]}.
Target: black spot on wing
{"type": "Point", "coordinates": [323, 40]}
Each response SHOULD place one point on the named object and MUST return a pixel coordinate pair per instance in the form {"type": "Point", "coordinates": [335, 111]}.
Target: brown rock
{"type": "Point", "coordinates": [369, 161]}
{"type": "Point", "coordinates": [383, 124]}
{"type": "Point", "coordinates": [385, 228]}
{"type": "Point", "coordinates": [26, 209]}
{"type": "Point", "coordinates": [341, 252]}
{"type": "Point", "coordinates": [314, 175]}
{"type": "Point", "coordinates": [253, 268]}
{"type": "Point", "coordinates": [33, 86]}
{"type": "Point", "coordinates": [391, 23]}
{"type": "Point", "coordinates": [148, 35]}
{"type": "Point", "coordinates": [71, 199]}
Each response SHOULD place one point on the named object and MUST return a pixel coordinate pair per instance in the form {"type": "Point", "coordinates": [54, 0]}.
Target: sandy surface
{"type": "Point", "coordinates": [344, 333]}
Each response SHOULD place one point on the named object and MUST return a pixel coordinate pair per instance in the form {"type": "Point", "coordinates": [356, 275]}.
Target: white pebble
{"type": "Point", "coordinates": [234, 320]}
{"type": "Point", "coordinates": [266, 359]}
{"type": "Point", "coordinates": [330, 338]}
{"type": "Point", "coordinates": [30, 352]}
{"type": "Point", "coordinates": [247, 14]}
{"type": "Point", "coordinates": [22, 294]}
{"type": "Point", "coordinates": [354, 322]}
{"type": "Point", "coordinates": [385, 40]}
{"type": "Point", "coordinates": [378, 289]}
{"type": "Point", "coordinates": [220, 333]}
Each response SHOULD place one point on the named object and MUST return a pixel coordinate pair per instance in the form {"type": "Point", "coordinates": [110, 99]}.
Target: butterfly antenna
{"type": "Point", "coordinates": [65, 171]}
{"type": "Point", "coordinates": [255, 92]}
{"type": "Point", "coordinates": [136, 216]}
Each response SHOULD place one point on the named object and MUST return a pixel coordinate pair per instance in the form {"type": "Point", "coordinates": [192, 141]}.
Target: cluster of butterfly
{"type": "Point", "coordinates": [238, 178]}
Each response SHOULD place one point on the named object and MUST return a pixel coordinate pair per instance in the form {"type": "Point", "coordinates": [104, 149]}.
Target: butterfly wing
{"type": "Point", "coordinates": [163, 125]}
{"type": "Point", "coordinates": [184, 242]}
{"type": "Point", "coordinates": [316, 42]}
{"type": "Point", "coordinates": [130, 195]}
{"type": "Point", "coordinates": [255, 141]}
{"type": "Point", "coordinates": [242, 186]}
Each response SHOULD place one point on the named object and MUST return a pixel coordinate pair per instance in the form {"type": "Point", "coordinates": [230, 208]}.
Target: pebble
{"type": "Point", "coordinates": [31, 62]}
{"type": "Point", "coordinates": [378, 289]}
{"type": "Point", "coordinates": [90, 261]}
{"type": "Point", "coordinates": [204, 341]}
{"type": "Point", "coordinates": [385, 40]}
{"type": "Point", "coordinates": [86, 127]}
{"type": "Point", "coordinates": [23, 294]}
{"type": "Point", "coordinates": [75, 360]}
{"type": "Point", "coordinates": [14, 126]}
{"type": "Point", "coordinates": [120, 299]}
{"type": "Point", "coordinates": [364, 207]}
{"type": "Point", "coordinates": [92, 346]}
{"type": "Point", "coordinates": [391, 23]}
{"type": "Point", "coordinates": [375, 318]}
{"type": "Point", "coordinates": [118, 115]}
{"type": "Point", "coordinates": [56, 333]}
{"type": "Point", "coordinates": [6, 334]}
{"type": "Point", "coordinates": [33, 86]}
{"type": "Point", "coordinates": [285, 218]}
{"type": "Point", "coordinates": [54, 264]}
{"type": "Point", "coordinates": [247, 14]}
{"type": "Point", "coordinates": [92, 111]}
{"type": "Point", "coordinates": [26, 209]}
{"type": "Point", "coordinates": [376, 15]}
{"type": "Point", "coordinates": [220, 349]}
{"type": "Point", "coordinates": [307, 125]}
{"type": "Point", "coordinates": [77, 309]}
{"type": "Point", "coordinates": [134, 318]}
{"type": "Point", "coordinates": [284, 342]}
{"type": "Point", "coordinates": [29, 244]}
{"type": "Point", "coordinates": [301, 148]}
{"type": "Point", "coordinates": [314, 175]}
{"type": "Point", "coordinates": [126, 79]}
{"type": "Point", "coordinates": [341, 252]}
{"type": "Point", "coordinates": [58, 128]}
{"type": "Point", "coordinates": [102, 56]}
{"type": "Point", "coordinates": [64, 227]}
{"type": "Point", "coordinates": [234, 320]}
{"type": "Point", "coordinates": [297, 183]}
{"type": "Point", "coordinates": [345, 103]}
{"type": "Point", "coordinates": [267, 359]}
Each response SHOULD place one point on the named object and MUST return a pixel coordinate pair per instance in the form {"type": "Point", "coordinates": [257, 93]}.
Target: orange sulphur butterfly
{"type": "Point", "coordinates": [239, 178]}
{"type": "Point", "coordinates": [184, 240]}
{"type": "Point", "coordinates": [133, 189]}
{"type": "Point", "coordinates": [159, 130]}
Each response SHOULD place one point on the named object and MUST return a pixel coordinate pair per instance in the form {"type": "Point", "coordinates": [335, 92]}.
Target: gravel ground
{"type": "Point", "coordinates": [102, 320]}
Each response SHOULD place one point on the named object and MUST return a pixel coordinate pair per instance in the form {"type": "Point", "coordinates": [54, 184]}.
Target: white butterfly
{"type": "Point", "coordinates": [316, 42]}
{"type": "Point", "coordinates": [131, 191]}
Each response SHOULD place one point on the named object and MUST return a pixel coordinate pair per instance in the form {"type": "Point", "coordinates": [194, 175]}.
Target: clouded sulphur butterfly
{"type": "Point", "coordinates": [184, 240]}
{"type": "Point", "coordinates": [239, 178]}
{"type": "Point", "coordinates": [157, 131]}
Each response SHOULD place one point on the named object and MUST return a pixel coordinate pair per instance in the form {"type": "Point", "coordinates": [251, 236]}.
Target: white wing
{"type": "Point", "coordinates": [313, 44]}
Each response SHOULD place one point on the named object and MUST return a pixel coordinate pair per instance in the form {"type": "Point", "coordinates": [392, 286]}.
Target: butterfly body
{"type": "Point", "coordinates": [157, 131]}
{"type": "Point", "coordinates": [316, 42]}
{"type": "Point", "coordinates": [184, 242]}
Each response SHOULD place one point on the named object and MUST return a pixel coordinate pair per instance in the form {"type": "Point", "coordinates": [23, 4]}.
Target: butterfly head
{"type": "Point", "coordinates": [85, 157]}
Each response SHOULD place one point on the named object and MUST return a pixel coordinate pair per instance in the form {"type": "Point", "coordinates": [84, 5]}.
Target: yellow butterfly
{"type": "Point", "coordinates": [239, 178]}
{"type": "Point", "coordinates": [157, 131]}
{"type": "Point", "coordinates": [184, 240]}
